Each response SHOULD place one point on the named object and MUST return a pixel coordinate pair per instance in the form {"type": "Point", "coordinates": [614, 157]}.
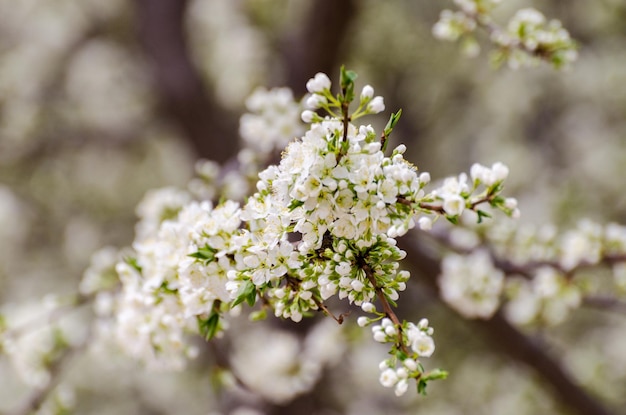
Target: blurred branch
{"type": "Point", "coordinates": [317, 46]}
{"type": "Point", "coordinates": [38, 397]}
{"type": "Point", "coordinates": [183, 95]}
{"type": "Point", "coordinates": [605, 303]}
{"type": "Point", "coordinates": [509, 341]}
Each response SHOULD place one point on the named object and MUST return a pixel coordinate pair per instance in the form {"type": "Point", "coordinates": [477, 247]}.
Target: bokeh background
{"type": "Point", "coordinates": [102, 100]}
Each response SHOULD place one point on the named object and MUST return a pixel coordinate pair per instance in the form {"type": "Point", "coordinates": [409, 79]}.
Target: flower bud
{"type": "Point", "coordinates": [376, 105]}
{"type": "Point", "coordinates": [367, 93]}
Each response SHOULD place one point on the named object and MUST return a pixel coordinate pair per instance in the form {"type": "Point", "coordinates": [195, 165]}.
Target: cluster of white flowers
{"type": "Point", "coordinates": [176, 275]}
{"type": "Point", "coordinates": [322, 223]}
{"type": "Point", "coordinates": [457, 194]}
{"type": "Point", "coordinates": [547, 298]}
{"type": "Point", "coordinates": [471, 284]}
{"type": "Point", "coordinates": [33, 340]}
{"type": "Point", "coordinates": [272, 121]}
{"type": "Point", "coordinates": [547, 272]}
{"type": "Point", "coordinates": [417, 342]}
{"type": "Point", "coordinates": [293, 365]}
{"type": "Point", "coordinates": [527, 39]}
{"type": "Point", "coordinates": [343, 200]}
{"type": "Point", "coordinates": [453, 25]}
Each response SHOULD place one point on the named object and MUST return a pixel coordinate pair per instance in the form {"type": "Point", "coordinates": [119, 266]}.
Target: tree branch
{"type": "Point", "coordinates": [183, 95]}
{"type": "Point", "coordinates": [511, 342]}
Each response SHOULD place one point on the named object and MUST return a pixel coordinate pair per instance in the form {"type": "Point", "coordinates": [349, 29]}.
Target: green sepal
{"type": "Point", "coordinates": [247, 293]}
{"type": "Point", "coordinates": [167, 290]}
{"type": "Point", "coordinates": [497, 201]}
{"type": "Point", "coordinates": [208, 327]}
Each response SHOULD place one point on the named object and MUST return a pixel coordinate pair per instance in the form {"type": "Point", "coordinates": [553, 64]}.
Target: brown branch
{"type": "Point", "coordinates": [183, 95]}
{"type": "Point", "coordinates": [511, 342]}
{"type": "Point", "coordinates": [326, 311]}
{"type": "Point", "coordinates": [605, 303]}
{"type": "Point", "coordinates": [369, 273]}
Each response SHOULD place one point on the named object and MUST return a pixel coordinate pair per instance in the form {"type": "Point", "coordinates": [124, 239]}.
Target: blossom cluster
{"type": "Point", "coordinates": [294, 365]}
{"type": "Point", "coordinates": [416, 342]}
{"type": "Point", "coordinates": [541, 274]}
{"type": "Point", "coordinates": [322, 224]}
{"type": "Point", "coordinates": [527, 39]}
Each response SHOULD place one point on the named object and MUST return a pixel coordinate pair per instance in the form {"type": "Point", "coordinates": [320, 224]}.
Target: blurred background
{"type": "Point", "coordinates": [102, 100]}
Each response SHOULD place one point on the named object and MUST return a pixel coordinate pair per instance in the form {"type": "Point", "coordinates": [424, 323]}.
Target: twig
{"type": "Point", "coordinates": [385, 304]}
{"type": "Point", "coordinates": [605, 303]}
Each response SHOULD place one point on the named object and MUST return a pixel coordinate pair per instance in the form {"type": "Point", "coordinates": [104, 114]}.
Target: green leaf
{"type": "Point", "coordinates": [133, 263]}
{"type": "Point", "coordinates": [453, 219]}
{"type": "Point", "coordinates": [482, 214]}
{"type": "Point", "coordinates": [347, 77]}
{"type": "Point", "coordinates": [208, 327]}
{"type": "Point", "coordinates": [295, 204]}
{"type": "Point", "coordinates": [246, 293]}
{"type": "Point", "coordinates": [206, 253]}
{"type": "Point", "coordinates": [347, 85]}
{"type": "Point", "coordinates": [421, 386]}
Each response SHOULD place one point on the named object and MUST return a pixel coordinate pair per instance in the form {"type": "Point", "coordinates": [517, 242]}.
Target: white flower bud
{"type": "Point", "coordinates": [307, 116]}
{"type": "Point", "coordinates": [410, 364]}
{"type": "Point", "coordinates": [362, 321]}
{"type": "Point", "coordinates": [380, 336]}
{"type": "Point", "coordinates": [425, 223]}
{"type": "Point", "coordinates": [499, 171]}
{"type": "Point", "coordinates": [391, 331]}
{"type": "Point", "coordinates": [401, 149]}
{"type": "Point", "coordinates": [357, 285]}
{"type": "Point", "coordinates": [315, 101]}
{"type": "Point", "coordinates": [367, 93]}
{"type": "Point", "coordinates": [510, 203]}
{"type": "Point", "coordinates": [319, 83]}
{"type": "Point", "coordinates": [376, 105]}
{"type": "Point", "coordinates": [401, 387]}
{"type": "Point", "coordinates": [368, 307]}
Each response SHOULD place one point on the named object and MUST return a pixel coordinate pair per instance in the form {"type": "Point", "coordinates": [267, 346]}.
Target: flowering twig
{"type": "Point", "coordinates": [385, 304]}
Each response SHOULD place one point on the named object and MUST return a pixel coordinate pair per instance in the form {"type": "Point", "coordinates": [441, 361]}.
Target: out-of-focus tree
{"type": "Point", "coordinates": [102, 101]}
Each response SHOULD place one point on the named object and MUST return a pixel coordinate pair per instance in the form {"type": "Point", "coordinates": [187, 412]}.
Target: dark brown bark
{"type": "Point", "coordinates": [317, 46]}
{"type": "Point", "coordinates": [183, 95]}
{"type": "Point", "coordinates": [509, 341]}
